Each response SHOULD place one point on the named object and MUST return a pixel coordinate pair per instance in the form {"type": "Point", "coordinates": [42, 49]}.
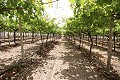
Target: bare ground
{"type": "Point", "coordinates": [115, 61]}
{"type": "Point", "coordinates": [14, 54]}
{"type": "Point", "coordinates": [65, 62]}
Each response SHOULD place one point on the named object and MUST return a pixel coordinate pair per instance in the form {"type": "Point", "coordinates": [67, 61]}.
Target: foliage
{"type": "Point", "coordinates": [32, 17]}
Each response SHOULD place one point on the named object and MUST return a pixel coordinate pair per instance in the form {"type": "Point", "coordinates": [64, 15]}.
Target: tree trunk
{"type": "Point", "coordinates": [4, 35]}
{"type": "Point", "coordinates": [14, 37]}
{"type": "Point", "coordinates": [82, 37]}
{"type": "Point", "coordinates": [114, 34]}
{"type": "Point", "coordinates": [96, 40]}
{"type": "Point", "coordinates": [74, 39]}
{"type": "Point", "coordinates": [42, 40]}
{"type": "Point", "coordinates": [102, 40]}
{"type": "Point", "coordinates": [0, 35]}
{"type": "Point", "coordinates": [28, 35]}
{"type": "Point", "coordinates": [88, 38]}
{"type": "Point", "coordinates": [23, 35]}
{"type": "Point", "coordinates": [33, 36]}
{"type": "Point", "coordinates": [50, 37]}
{"type": "Point", "coordinates": [91, 44]}
{"type": "Point", "coordinates": [79, 39]}
{"type": "Point", "coordinates": [0, 38]}
{"type": "Point", "coordinates": [9, 37]}
{"type": "Point", "coordinates": [110, 45]}
{"type": "Point", "coordinates": [21, 38]}
{"type": "Point", "coordinates": [47, 40]}
{"type": "Point", "coordinates": [53, 37]}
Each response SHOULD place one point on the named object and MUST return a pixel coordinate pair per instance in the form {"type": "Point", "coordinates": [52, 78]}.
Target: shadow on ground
{"type": "Point", "coordinates": [79, 67]}
{"type": "Point", "coordinates": [19, 70]}
{"type": "Point", "coordinates": [115, 53]}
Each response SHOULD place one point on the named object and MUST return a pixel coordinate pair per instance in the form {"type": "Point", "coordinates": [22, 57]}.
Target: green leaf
{"type": "Point", "coordinates": [21, 12]}
{"type": "Point", "coordinates": [72, 1]}
{"type": "Point", "coordinates": [82, 2]}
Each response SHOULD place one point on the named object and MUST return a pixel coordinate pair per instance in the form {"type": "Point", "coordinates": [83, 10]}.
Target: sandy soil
{"type": "Point", "coordinates": [64, 62]}
{"type": "Point", "coordinates": [115, 59]}
{"type": "Point", "coordinates": [14, 54]}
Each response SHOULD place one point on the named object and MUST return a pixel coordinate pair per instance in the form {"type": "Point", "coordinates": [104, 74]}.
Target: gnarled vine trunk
{"type": "Point", "coordinates": [96, 39]}
{"type": "Point", "coordinates": [47, 39]}
{"type": "Point", "coordinates": [91, 44]}
{"type": "Point", "coordinates": [33, 36]}
{"type": "Point", "coordinates": [14, 35]}
{"type": "Point", "coordinates": [114, 35]}
{"type": "Point", "coordinates": [80, 39]}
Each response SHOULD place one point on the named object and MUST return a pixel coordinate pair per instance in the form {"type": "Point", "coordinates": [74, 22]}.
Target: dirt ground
{"type": "Point", "coordinates": [14, 54]}
{"type": "Point", "coordinates": [115, 61]}
{"type": "Point", "coordinates": [65, 62]}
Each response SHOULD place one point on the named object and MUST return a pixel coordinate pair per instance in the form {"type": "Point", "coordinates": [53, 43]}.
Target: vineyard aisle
{"type": "Point", "coordinates": [65, 62]}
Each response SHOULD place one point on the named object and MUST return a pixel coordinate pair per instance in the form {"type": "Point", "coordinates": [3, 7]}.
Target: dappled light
{"type": "Point", "coordinates": [59, 40]}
